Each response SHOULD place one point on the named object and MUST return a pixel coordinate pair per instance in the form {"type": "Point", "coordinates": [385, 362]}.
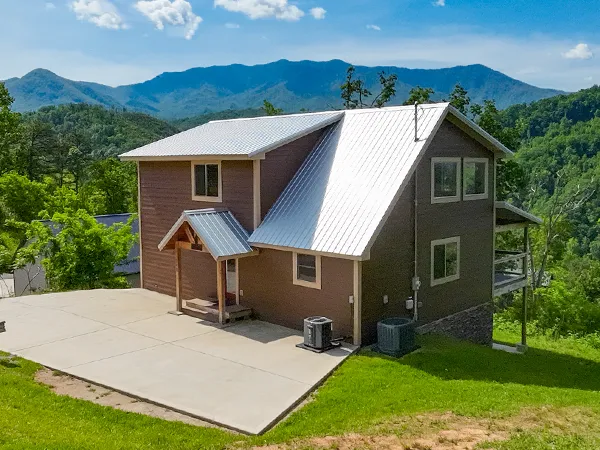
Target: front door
{"type": "Point", "coordinates": [232, 291]}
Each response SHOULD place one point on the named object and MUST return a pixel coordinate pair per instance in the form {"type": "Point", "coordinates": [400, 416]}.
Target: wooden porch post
{"type": "Point", "coordinates": [526, 271]}
{"type": "Point", "coordinates": [221, 289]}
{"type": "Point", "coordinates": [178, 276]}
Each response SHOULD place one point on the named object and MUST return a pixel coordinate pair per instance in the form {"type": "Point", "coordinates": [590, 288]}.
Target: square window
{"type": "Point", "coordinates": [445, 180]}
{"type": "Point", "coordinates": [475, 178]}
{"type": "Point", "coordinates": [206, 182]}
{"type": "Point", "coordinates": [445, 260]}
{"type": "Point", "coordinates": [307, 270]}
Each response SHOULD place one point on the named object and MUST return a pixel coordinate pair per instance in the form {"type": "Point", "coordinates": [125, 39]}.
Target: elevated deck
{"type": "Point", "coordinates": [209, 310]}
{"type": "Point", "coordinates": [510, 271]}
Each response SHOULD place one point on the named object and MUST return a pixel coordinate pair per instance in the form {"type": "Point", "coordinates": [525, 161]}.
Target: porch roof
{"type": "Point", "coordinates": [508, 215]}
{"type": "Point", "coordinates": [220, 232]}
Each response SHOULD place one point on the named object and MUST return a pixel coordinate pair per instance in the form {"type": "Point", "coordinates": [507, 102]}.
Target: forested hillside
{"type": "Point", "coordinates": [558, 144]}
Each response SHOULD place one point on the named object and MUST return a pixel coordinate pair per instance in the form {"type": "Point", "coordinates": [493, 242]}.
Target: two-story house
{"type": "Point", "coordinates": [354, 215]}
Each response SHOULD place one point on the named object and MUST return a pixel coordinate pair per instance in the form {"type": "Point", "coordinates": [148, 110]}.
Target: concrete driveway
{"type": "Point", "coordinates": [244, 376]}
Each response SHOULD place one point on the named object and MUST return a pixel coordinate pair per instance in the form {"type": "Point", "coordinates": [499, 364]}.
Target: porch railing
{"type": "Point", "coordinates": [510, 267]}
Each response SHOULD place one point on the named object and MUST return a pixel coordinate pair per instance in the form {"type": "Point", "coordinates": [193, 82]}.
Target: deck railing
{"type": "Point", "coordinates": [510, 269]}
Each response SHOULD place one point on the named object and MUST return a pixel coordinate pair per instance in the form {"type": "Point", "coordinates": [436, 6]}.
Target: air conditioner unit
{"type": "Point", "coordinates": [396, 336]}
{"type": "Point", "coordinates": [317, 332]}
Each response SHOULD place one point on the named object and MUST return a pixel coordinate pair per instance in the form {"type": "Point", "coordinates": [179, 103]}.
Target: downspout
{"type": "Point", "coordinates": [415, 281]}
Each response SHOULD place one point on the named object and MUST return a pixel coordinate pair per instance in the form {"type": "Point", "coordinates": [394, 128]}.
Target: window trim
{"type": "Point", "coordinates": [454, 198]}
{"type": "Point", "coordinates": [486, 194]}
{"type": "Point", "coordinates": [447, 279]}
{"type": "Point", "coordinates": [206, 198]}
{"type": "Point", "coordinates": [296, 281]}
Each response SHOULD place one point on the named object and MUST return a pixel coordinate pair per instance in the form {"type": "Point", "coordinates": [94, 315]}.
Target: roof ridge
{"type": "Point", "coordinates": [240, 119]}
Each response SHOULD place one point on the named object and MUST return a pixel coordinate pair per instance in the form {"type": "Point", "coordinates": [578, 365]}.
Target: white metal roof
{"type": "Point", "coordinates": [218, 229]}
{"type": "Point", "coordinates": [340, 196]}
{"type": "Point", "coordinates": [238, 137]}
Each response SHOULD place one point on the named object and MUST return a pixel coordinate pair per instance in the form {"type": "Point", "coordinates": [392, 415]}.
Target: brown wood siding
{"type": "Point", "coordinates": [390, 269]}
{"type": "Point", "coordinates": [166, 191]}
{"type": "Point", "coordinates": [279, 167]}
{"type": "Point", "coordinates": [472, 220]}
{"type": "Point", "coordinates": [266, 280]}
{"type": "Point", "coordinates": [391, 265]}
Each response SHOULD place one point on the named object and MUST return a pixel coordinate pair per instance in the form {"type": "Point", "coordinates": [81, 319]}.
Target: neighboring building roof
{"type": "Point", "coordinates": [238, 137]}
{"type": "Point", "coordinates": [218, 229]}
{"type": "Point", "coordinates": [507, 214]}
{"type": "Point", "coordinates": [345, 189]}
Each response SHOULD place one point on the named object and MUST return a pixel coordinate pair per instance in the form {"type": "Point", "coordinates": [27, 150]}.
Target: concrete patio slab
{"type": "Point", "coordinates": [89, 347]}
{"type": "Point", "coordinates": [243, 376]}
{"type": "Point", "coordinates": [170, 328]}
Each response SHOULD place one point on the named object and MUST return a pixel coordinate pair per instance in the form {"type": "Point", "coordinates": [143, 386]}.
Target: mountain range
{"type": "Point", "coordinates": [289, 85]}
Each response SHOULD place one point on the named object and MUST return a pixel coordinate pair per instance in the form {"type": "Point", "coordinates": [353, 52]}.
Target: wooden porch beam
{"type": "Point", "coordinates": [221, 289]}
{"type": "Point", "coordinates": [526, 272]}
{"type": "Point", "coordinates": [178, 276]}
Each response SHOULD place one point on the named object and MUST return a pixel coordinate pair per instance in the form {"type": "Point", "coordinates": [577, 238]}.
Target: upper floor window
{"type": "Point", "coordinates": [445, 180]}
{"type": "Point", "coordinates": [307, 270]}
{"type": "Point", "coordinates": [206, 181]}
{"type": "Point", "coordinates": [445, 260]}
{"type": "Point", "coordinates": [475, 178]}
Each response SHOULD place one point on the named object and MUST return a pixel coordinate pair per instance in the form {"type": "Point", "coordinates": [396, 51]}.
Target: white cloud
{"type": "Point", "coordinates": [262, 9]}
{"type": "Point", "coordinates": [232, 26]}
{"type": "Point", "coordinates": [166, 12]}
{"type": "Point", "coordinates": [99, 12]}
{"type": "Point", "coordinates": [50, 6]}
{"type": "Point", "coordinates": [373, 27]}
{"type": "Point", "coordinates": [318, 13]}
{"type": "Point", "coordinates": [580, 51]}
{"type": "Point", "coordinates": [439, 3]}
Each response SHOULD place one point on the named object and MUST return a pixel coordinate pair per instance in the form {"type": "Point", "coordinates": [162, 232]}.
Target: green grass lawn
{"type": "Point", "coordinates": [369, 394]}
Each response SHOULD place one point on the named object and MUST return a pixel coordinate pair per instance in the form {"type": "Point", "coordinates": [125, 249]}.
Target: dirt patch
{"type": "Point", "coordinates": [448, 431]}
{"type": "Point", "coordinates": [63, 384]}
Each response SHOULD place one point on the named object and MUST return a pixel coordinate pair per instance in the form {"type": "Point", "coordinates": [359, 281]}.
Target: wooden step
{"type": "Point", "coordinates": [209, 310]}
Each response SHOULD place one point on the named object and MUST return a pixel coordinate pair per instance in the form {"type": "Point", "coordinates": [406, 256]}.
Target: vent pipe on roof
{"type": "Point", "coordinates": [416, 122]}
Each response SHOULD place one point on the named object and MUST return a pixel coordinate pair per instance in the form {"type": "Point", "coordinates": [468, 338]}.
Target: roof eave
{"type": "Point", "coordinates": [492, 143]}
{"type": "Point", "coordinates": [211, 157]}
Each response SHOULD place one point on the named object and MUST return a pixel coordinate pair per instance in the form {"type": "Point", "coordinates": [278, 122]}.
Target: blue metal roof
{"type": "Point", "coordinates": [218, 229]}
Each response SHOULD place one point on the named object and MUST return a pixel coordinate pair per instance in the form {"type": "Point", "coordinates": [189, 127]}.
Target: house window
{"type": "Point", "coordinates": [206, 181]}
{"type": "Point", "coordinates": [307, 270]}
{"type": "Point", "coordinates": [445, 180]}
{"type": "Point", "coordinates": [475, 178]}
{"type": "Point", "coordinates": [445, 260]}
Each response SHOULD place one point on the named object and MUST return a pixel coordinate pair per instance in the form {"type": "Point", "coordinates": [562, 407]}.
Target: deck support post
{"type": "Point", "coordinates": [178, 276]}
{"type": "Point", "coordinates": [524, 300]}
{"type": "Point", "coordinates": [221, 289]}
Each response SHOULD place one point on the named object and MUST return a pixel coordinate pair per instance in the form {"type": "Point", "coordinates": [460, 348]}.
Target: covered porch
{"type": "Point", "coordinates": [215, 233]}
{"type": "Point", "coordinates": [511, 266]}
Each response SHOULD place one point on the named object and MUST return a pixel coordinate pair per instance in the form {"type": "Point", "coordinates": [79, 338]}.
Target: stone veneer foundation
{"type": "Point", "coordinates": [474, 324]}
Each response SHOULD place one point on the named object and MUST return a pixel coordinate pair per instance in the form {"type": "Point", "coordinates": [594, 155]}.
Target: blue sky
{"type": "Point", "coordinates": [550, 43]}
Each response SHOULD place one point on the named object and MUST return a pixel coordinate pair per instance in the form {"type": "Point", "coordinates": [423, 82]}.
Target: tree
{"type": "Point", "coordinates": [459, 98]}
{"type": "Point", "coordinates": [354, 92]}
{"type": "Point", "coordinates": [113, 186]}
{"type": "Point", "coordinates": [271, 110]}
{"type": "Point", "coordinates": [78, 252]}
{"type": "Point", "coordinates": [419, 94]}
{"type": "Point", "coordinates": [10, 131]}
{"type": "Point", "coordinates": [570, 193]}
{"type": "Point", "coordinates": [38, 141]}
